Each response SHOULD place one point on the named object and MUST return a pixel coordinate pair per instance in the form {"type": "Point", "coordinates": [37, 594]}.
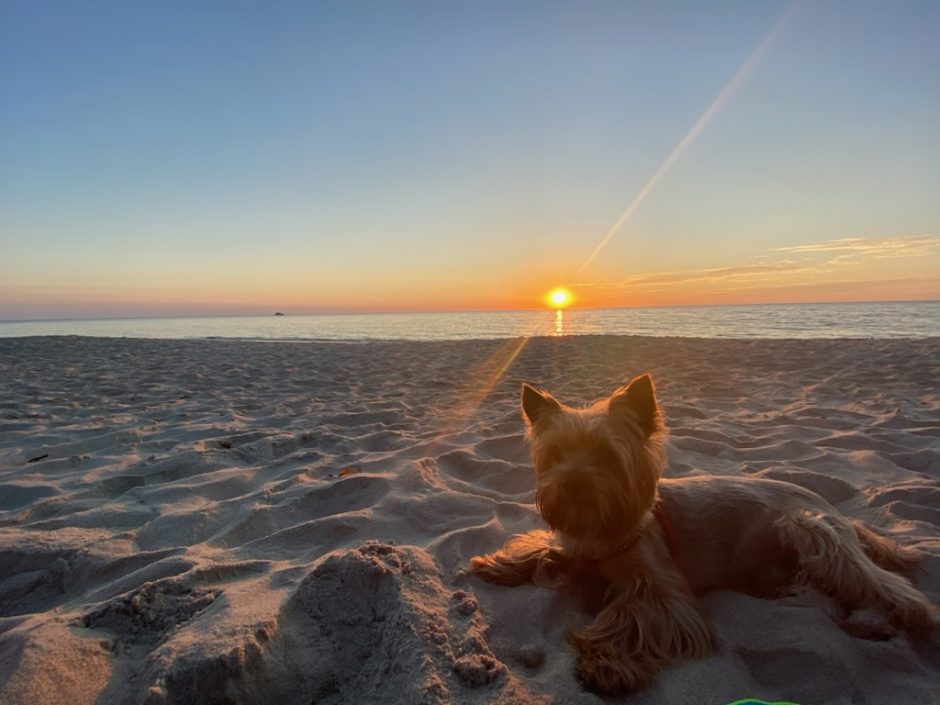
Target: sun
{"type": "Point", "coordinates": [559, 298]}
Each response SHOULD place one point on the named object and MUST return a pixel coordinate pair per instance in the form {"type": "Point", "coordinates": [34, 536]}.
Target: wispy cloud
{"type": "Point", "coordinates": [794, 266]}
{"type": "Point", "coordinates": [717, 274]}
{"type": "Point", "coordinates": [877, 247]}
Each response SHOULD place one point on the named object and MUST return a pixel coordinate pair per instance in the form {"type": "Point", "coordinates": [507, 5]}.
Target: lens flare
{"type": "Point", "coordinates": [731, 87]}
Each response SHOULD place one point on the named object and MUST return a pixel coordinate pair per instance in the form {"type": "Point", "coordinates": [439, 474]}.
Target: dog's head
{"type": "Point", "coordinates": [596, 467]}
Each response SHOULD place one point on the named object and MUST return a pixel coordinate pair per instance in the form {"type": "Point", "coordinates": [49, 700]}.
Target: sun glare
{"type": "Point", "coordinates": [558, 298]}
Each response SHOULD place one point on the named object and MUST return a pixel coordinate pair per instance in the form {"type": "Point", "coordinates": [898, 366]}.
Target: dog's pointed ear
{"type": "Point", "coordinates": [639, 398]}
{"type": "Point", "coordinates": [537, 405]}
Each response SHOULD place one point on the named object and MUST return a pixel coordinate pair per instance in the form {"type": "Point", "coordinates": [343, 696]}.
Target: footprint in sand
{"type": "Point", "coordinates": [832, 489]}
{"type": "Point", "coordinates": [916, 501]}
{"type": "Point", "coordinates": [511, 448]}
{"type": "Point", "coordinates": [333, 500]}
{"type": "Point", "coordinates": [467, 472]}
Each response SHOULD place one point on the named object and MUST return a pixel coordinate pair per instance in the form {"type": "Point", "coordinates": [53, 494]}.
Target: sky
{"type": "Point", "coordinates": [179, 158]}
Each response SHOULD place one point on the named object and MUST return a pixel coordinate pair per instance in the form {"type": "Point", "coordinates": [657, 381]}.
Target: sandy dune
{"type": "Point", "coordinates": [255, 522]}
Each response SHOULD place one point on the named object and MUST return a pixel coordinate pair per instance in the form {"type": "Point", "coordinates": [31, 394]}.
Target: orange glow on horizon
{"type": "Point", "coordinates": [884, 268]}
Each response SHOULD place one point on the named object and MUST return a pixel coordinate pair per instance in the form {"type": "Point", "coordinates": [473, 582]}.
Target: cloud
{"type": "Point", "coordinates": [782, 266]}
{"type": "Point", "coordinates": [744, 272]}
{"type": "Point", "coordinates": [878, 247]}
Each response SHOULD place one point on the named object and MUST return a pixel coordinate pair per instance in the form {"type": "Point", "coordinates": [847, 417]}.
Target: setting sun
{"type": "Point", "coordinates": [559, 298]}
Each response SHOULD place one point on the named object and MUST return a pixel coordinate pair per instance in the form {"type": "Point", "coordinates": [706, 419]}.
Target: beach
{"type": "Point", "coordinates": [235, 521]}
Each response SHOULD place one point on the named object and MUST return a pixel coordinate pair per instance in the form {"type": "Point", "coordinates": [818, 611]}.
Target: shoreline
{"type": "Point", "coordinates": [883, 320]}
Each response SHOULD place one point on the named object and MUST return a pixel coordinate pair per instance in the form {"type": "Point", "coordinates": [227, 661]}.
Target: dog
{"type": "Point", "coordinates": [638, 548]}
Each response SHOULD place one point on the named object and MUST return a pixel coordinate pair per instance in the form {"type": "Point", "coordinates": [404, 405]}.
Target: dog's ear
{"type": "Point", "coordinates": [537, 405]}
{"type": "Point", "coordinates": [639, 397]}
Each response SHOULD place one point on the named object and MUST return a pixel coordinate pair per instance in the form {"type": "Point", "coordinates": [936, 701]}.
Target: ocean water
{"type": "Point", "coordinates": [852, 320]}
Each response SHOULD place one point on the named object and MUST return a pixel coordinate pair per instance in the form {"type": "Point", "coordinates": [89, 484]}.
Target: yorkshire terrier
{"type": "Point", "coordinates": [639, 548]}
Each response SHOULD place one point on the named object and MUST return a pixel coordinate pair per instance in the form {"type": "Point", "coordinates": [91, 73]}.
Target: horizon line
{"type": "Point", "coordinates": [546, 309]}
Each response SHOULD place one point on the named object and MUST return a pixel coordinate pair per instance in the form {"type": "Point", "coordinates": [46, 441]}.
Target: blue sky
{"type": "Point", "coordinates": [234, 157]}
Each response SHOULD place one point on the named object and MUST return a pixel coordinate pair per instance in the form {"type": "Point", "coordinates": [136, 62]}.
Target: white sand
{"type": "Point", "coordinates": [187, 536]}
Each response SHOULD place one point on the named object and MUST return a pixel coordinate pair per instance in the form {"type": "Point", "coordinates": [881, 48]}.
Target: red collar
{"type": "Point", "coordinates": [662, 516]}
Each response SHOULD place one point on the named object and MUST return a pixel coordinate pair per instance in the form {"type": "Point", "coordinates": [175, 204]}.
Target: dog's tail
{"type": "Point", "coordinates": [849, 561]}
{"type": "Point", "coordinates": [885, 552]}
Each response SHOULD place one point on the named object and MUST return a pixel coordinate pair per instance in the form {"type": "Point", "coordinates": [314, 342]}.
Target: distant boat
{"type": "Point", "coordinates": [278, 313]}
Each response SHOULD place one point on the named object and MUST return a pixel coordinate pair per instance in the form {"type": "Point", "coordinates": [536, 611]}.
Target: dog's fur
{"type": "Point", "coordinates": [598, 473]}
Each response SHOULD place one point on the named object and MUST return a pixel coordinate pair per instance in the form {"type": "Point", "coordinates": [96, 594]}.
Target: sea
{"type": "Point", "coordinates": [920, 319]}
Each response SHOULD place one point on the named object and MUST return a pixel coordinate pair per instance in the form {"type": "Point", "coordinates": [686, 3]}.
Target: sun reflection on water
{"type": "Point", "coordinates": [559, 322]}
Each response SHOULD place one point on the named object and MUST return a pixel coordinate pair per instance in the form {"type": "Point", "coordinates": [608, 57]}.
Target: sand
{"type": "Point", "coordinates": [257, 522]}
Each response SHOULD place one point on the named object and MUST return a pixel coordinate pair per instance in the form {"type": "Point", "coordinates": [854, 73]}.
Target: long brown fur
{"type": "Point", "coordinates": [598, 480]}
